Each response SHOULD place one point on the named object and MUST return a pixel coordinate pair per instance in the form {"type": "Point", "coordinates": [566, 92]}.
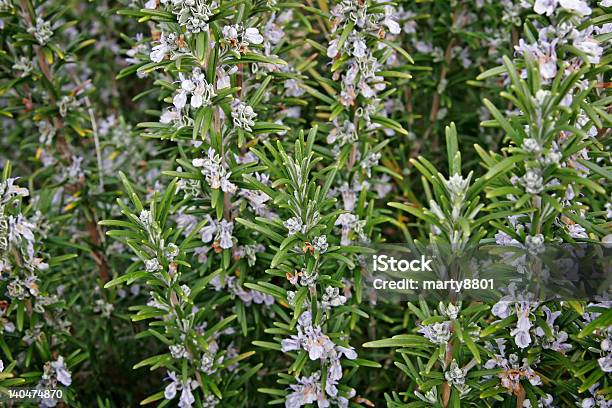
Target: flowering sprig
{"type": "Point", "coordinates": [32, 313]}
{"type": "Point", "coordinates": [176, 305]}
{"type": "Point", "coordinates": [317, 297]}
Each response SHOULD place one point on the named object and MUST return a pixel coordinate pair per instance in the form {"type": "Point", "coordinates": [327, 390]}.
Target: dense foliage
{"type": "Point", "coordinates": [190, 189]}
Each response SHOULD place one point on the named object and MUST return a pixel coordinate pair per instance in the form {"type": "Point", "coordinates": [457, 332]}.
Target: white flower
{"type": "Point", "coordinates": [606, 3]}
{"type": "Point", "coordinates": [455, 375]}
{"type": "Point", "coordinates": [240, 38]}
{"type": "Point", "coordinates": [437, 333]}
{"type": "Point", "coordinates": [360, 48]}
{"type": "Point", "coordinates": [180, 100]}
{"type": "Point", "coordinates": [11, 189]}
{"type": "Point", "coordinates": [544, 52]}
{"type": "Point", "coordinates": [41, 31]}
{"type": "Point", "coordinates": [194, 14]}
{"type": "Point", "coordinates": [223, 79]}
{"type": "Point", "coordinates": [531, 145]}
{"type": "Point", "coordinates": [230, 32]}
{"type": "Point", "coordinates": [294, 225]}
{"type": "Point", "coordinates": [605, 363]}
{"type": "Point", "coordinates": [456, 185]}
{"type": "Point", "coordinates": [533, 181]}
{"type": "Point", "coordinates": [308, 278]}
{"type": "Point", "coordinates": [207, 362]}
{"type": "Point", "coordinates": [167, 46]}
{"type": "Point", "coordinates": [152, 265]}
{"type": "Point", "coordinates": [1, 366]}
{"type": "Point", "coordinates": [451, 311]}
{"type": "Point", "coordinates": [306, 391]}
{"type": "Point", "coordinates": [178, 351]}
{"type": "Point", "coordinates": [535, 243]}
{"type": "Point", "coordinates": [332, 48]}
{"type": "Point", "coordinates": [243, 115]}
{"type": "Point", "coordinates": [332, 298]}
{"type": "Point", "coordinates": [320, 243]}
{"type": "Point", "coordinates": [146, 218]}
{"type": "Point", "coordinates": [201, 91]}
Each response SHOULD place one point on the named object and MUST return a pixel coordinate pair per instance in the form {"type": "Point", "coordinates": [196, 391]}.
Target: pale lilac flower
{"type": "Point", "coordinates": [523, 325]}
{"type": "Point", "coordinates": [589, 46]}
{"type": "Point", "coordinates": [225, 234]}
{"type": "Point", "coordinates": [579, 6]}
{"type": "Point", "coordinates": [545, 6]}
{"type": "Point", "coordinates": [503, 239]}
{"type": "Point", "coordinates": [390, 20]}
{"type": "Point", "coordinates": [559, 337]}
{"type": "Point", "coordinates": [349, 222]}
{"type": "Point", "coordinates": [186, 399]}
{"type": "Point", "coordinates": [577, 231]}
{"type": "Point", "coordinates": [306, 391]}
{"type": "Point", "coordinates": [61, 371]}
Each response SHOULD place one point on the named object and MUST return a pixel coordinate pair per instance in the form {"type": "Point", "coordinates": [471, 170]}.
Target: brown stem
{"type": "Point", "coordinates": [435, 105]}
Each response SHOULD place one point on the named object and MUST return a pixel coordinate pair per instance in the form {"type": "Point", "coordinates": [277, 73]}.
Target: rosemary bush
{"type": "Point", "coordinates": [191, 190]}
